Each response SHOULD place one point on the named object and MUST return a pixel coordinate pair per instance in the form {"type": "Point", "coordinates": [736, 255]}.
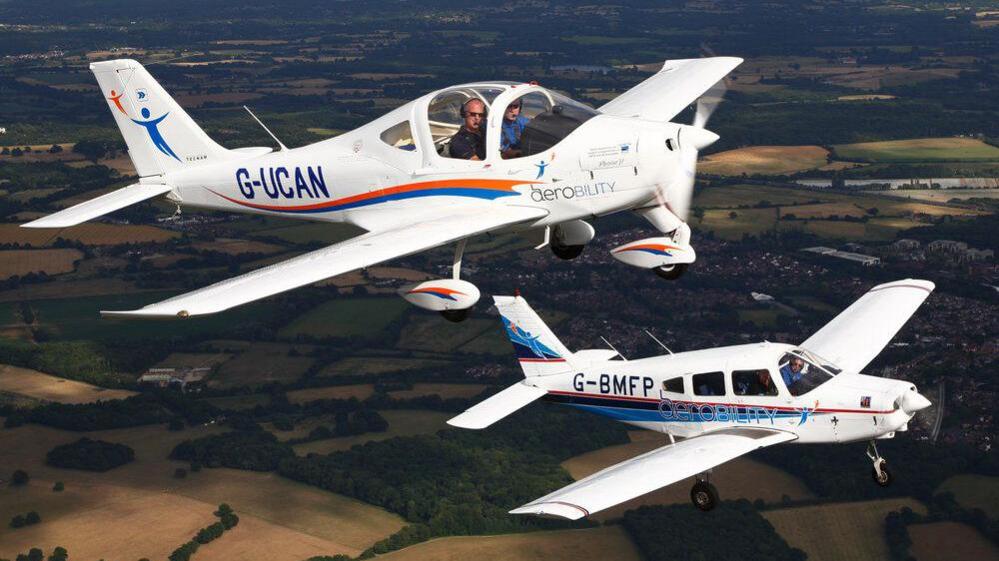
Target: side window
{"type": "Point", "coordinates": [753, 382]}
{"type": "Point", "coordinates": [709, 383]}
{"type": "Point", "coordinates": [399, 136]}
{"type": "Point", "coordinates": [674, 385]}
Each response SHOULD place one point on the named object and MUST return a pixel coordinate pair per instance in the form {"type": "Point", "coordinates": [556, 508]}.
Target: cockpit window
{"type": "Point", "coordinates": [802, 372]}
{"type": "Point", "coordinates": [537, 121]}
{"type": "Point", "coordinates": [399, 136]}
{"type": "Point", "coordinates": [448, 111]}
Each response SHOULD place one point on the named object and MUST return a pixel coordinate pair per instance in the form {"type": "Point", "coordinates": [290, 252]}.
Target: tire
{"type": "Point", "coordinates": [704, 496]}
{"type": "Point", "coordinates": [567, 252]}
{"type": "Point", "coordinates": [886, 476]}
{"type": "Point", "coordinates": [456, 316]}
{"type": "Point", "coordinates": [672, 272]}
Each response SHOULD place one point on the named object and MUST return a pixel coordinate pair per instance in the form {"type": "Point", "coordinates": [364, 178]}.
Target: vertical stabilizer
{"type": "Point", "coordinates": [540, 353]}
{"type": "Point", "coordinates": [160, 135]}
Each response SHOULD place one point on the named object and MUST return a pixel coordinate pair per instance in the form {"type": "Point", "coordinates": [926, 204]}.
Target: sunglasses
{"type": "Point", "coordinates": [479, 115]}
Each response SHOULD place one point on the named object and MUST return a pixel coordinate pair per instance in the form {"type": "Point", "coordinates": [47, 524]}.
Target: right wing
{"type": "Point", "coordinates": [652, 470]}
{"type": "Point", "coordinates": [355, 253]}
{"type": "Point", "coordinates": [854, 337]}
{"type": "Point", "coordinates": [109, 202]}
{"type": "Point", "coordinates": [672, 89]}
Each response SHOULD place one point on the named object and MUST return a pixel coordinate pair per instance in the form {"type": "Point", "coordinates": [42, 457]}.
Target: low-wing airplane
{"type": "Point", "coordinates": [722, 402]}
{"type": "Point", "coordinates": [395, 177]}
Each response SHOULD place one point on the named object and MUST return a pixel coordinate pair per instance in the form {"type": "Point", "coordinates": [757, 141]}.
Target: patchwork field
{"type": "Point", "coordinates": [91, 233]}
{"type": "Point", "coordinates": [425, 332]}
{"type": "Point", "coordinates": [402, 422]}
{"type": "Point", "coordinates": [741, 478]}
{"type": "Point", "coordinates": [262, 363]}
{"type": "Point", "coordinates": [363, 366]}
{"type": "Point", "coordinates": [840, 532]}
{"type": "Point", "coordinates": [193, 360]}
{"type": "Point", "coordinates": [944, 541]}
{"type": "Point", "coordinates": [237, 247]}
{"type": "Point", "coordinates": [607, 542]}
{"type": "Point", "coordinates": [36, 385]}
{"type": "Point", "coordinates": [346, 317]}
{"type": "Point", "coordinates": [975, 491]}
{"type": "Point", "coordinates": [919, 150]}
{"type": "Point", "coordinates": [444, 390]}
{"type": "Point", "coordinates": [764, 160]}
{"type": "Point", "coordinates": [20, 262]}
{"type": "Point", "coordinates": [356, 391]}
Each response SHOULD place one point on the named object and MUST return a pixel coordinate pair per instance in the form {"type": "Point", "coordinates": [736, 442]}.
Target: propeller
{"type": "Point", "coordinates": [692, 139]}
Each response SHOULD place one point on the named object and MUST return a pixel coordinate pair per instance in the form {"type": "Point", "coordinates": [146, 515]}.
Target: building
{"type": "Point", "coordinates": [177, 377]}
{"type": "Point", "coordinates": [865, 260]}
{"type": "Point", "coordinates": [946, 246]}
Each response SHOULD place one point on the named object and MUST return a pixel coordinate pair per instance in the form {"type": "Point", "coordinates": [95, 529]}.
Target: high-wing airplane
{"type": "Point", "coordinates": [396, 178]}
{"type": "Point", "coordinates": [720, 403]}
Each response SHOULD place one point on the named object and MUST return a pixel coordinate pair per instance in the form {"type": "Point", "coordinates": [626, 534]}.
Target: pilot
{"type": "Point", "coordinates": [513, 127]}
{"type": "Point", "coordinates": [469, 143]}
{"type": "Point", "coordinates": [793, 371]}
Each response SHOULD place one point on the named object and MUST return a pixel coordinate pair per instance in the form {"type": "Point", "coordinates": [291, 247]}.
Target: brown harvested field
{"type": "Point", "coordinates": [764, 160]}
{"type": "Point", "coordinates": [607, 542]}
{"type": "Point", "coordinates": [91, 233]}
{"type": "Point", "coordinates": [260, 364]}
{"type": "Point", "coordinates": [840, 532]}
{"type": "Point", "coordinates": [444, 390]}
{"type": "Point", "coordinates": [743, 478]}
{"type": "Point", "coordinates": [36, 385]}
{"type": "Point", "coordinates": [49, 261]}
{"type": "Point", "coordinates": [119, 506]}
{"type": "Point", "coordinates": [945, 541]}
{"type": "Point", "coordinates": [237, 247]}
{"type": "Point", "coordinates": [357, 391]}
{"type": "Point", "coordinates": [402, 422]}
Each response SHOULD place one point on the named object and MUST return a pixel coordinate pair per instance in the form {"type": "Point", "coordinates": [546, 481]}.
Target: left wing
{"type": "Point", "coordinates": [355, 253]}
{"type": "Point", "coordinates": [652, 470]}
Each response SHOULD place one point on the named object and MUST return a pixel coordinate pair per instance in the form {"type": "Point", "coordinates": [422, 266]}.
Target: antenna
{"type": "Point", "coordinates": [657, 341]}
{"type": "Point", "coordinates": [261, 123]}
{"type": "Point", "coordinates": [613, 349]}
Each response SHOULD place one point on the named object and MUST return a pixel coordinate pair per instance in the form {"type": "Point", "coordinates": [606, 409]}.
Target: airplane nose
{"type": "Point", "coordinates": [912, 402]}
{"type": "Point", "coordinates": [698, 137]}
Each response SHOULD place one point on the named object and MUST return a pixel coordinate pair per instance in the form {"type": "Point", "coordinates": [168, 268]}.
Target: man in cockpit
{"type": "Point", "coordinates": [469, 143]}
{"type": "Point", "coordinates": [513, 126]}
{"type": "Point", "coordinates": [793, 371]}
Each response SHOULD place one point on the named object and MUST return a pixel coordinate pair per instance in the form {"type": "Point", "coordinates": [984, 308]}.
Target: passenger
{"type": "Point", "coordinates": [766, 385]}
{"type": "Point", "coordinates": [513, 126]}
{"type": "Point", "coordinates": [469, 143]}
{"type": "Point", "coordinates": [793, 371]}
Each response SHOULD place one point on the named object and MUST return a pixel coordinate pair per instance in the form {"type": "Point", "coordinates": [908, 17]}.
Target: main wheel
{"type": "Point", "coordinates": [567, 252]}
{"type": "Point", "coordinates": [885, 478]}
{"type": "Point", "coordinates": [456, 316]}
{"type": "Point", "coordinates": [671, 272]}
{"type": "Point", "coordinates": [704, 496]}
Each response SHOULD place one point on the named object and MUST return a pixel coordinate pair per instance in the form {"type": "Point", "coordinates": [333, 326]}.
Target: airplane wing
{"type": "Point", "coordinates": [652, 470]}
{"type": "Point", "coordinates": [857, 335]}
{"type": "Point", "coordinates": [355, 253]}
{"type": "Point", "coordinates": [679, 83]}
{"type": "Point", "coordinates": [110, 202]}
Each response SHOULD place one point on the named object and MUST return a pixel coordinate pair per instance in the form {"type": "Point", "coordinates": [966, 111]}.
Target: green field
{"type": "Point", "coordinates": [428, 333]}
{"type": "Point", "coordinates": [763, 317]}
{"type": "Point", "coordinates": [919, 150]}
{"type": "Point", "coordinates": [364, 365]}
{"type": "Point", "coordinates": [347, 317]}
{"type": "Point", "coordinates": [402, 422]}
{"type": "Point", "coordinates": [975, 491]}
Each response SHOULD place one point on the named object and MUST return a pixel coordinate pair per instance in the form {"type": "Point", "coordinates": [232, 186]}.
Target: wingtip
{"type": "Point", "coordinates": [553, 510]}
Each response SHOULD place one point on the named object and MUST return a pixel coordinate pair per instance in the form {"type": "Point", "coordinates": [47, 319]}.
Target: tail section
{"type": "Point", "coordinates": [161, 137]}
{"type": "Point", "coordinates": [540, 353]}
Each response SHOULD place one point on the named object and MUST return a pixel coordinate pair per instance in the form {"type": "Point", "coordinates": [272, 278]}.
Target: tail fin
{"type": "Point", "coordinates": [161, 137]}
{"type": "Point", "coordinates": [540, 353]}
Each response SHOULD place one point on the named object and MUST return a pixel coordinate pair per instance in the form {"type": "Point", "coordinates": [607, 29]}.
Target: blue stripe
{"type": "Point", "coordinates": [490, 194]}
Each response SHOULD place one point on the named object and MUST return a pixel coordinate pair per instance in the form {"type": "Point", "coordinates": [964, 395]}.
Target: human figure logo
{"type": "Point", "coordinates": [152, 127]}
{"type": "Point", "coordinates": [116, 98]}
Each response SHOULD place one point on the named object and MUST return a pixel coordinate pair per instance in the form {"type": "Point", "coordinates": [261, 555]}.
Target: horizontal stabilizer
{"type": "Point", "coordinates": [858, 334]}
{"type": "Point", "coordinates": [497, 407]}
{"type": "Point", "coordinates": [115, 200]}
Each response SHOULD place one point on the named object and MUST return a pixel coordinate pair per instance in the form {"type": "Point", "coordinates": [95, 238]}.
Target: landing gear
{"type": "Point", "coordinates": [671, 272]}
{"type": "Point", "coordinates": [567, 252]}
{"type": "Point", "coordinates": [880, 471]}
{"type": "Point", "coordinates": [704, 495]}
{"type": "Point", "coordinates": [456, 316]}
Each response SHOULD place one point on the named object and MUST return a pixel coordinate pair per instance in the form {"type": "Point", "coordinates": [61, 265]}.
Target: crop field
{"type": "Point", "coordinates": [260, 364]}
{"type": "Point", "coordinates": [106, 515]}
{"type": "Point", "coordinates": [607, 542]}
{"type": "Point", "coordinates": [364, 366]}
{"type": "Point", "coordinates": [740, 478]}
{"type": "Point", "coordinates": [49, 261]}
{"type": "Point", "coordinates": [941, 195]}
{"type": "Point", "coordinates": [919, 150]}
{"type": "Point", "coordinates": [490, 342]}
{"type": "Point", "coordinates": [346, 317]}
{"type": "Point", "coordinates": [91, 233]}
{"type": "Point", "coordinates": [356, 391]}
{"type": "Point", "coordinates": [446, 391]}
{"type": "Point", "coordinates": [974, 491]}
{"type": "Point", "coordinates": [944, 541]}
{"type": "Point", "coordinates": [752, 221]}
{"type": "Point", "coordinates": [237, 247]}
{"type": "Point", "coordinates": [239, 402]}
{"type": "Point", "coordinates": [764, 160]}
{"type": "Point", "coordinates": [425, 332]}
{"type": "Point", "coordinates": [402, 422]}
{"type": "Point", "coordinates": [36, 385]}
{"type": "Point", "coordinates": [843, 531]}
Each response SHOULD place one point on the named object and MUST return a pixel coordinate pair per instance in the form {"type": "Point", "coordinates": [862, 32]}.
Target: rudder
{"type": "Point", "coordinates": [539, 352]}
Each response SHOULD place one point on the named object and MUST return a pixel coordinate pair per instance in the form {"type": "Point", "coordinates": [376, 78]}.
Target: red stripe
{"type": "Point", "coordinates": [542, 360]}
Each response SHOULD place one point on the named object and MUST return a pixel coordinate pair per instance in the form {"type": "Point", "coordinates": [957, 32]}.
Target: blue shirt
{"type": "Point", "coordinates": [790, 377]}
{"type": "Point", "coordinates": [510, 135]}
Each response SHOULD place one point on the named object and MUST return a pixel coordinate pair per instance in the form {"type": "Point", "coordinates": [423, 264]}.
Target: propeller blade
{"type": "Point", "coordinates": [682, 189]}
{"type": "Point", "coordinates": [708, 102]}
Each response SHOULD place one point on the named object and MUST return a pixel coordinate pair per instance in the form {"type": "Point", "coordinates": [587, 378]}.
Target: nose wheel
{"type": "Point", "coordinates": [879, 472]}
{"type": "Point", "coordinates": [704, 495]}
{"type": "Point", "coordinates": [671, 272]}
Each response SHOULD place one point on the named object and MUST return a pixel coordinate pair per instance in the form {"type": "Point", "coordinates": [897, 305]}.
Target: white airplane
{"type": "Point", "coordinates": [394, 178]}
{"type": "Point", "coordinates": [722, 402]}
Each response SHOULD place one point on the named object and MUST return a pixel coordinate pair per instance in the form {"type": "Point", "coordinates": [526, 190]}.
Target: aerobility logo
{"type": "Point", "coordinates": [690, 412]}
{"type": "Point", "coordinates": [527, 346]}
{"type": "Point", "coordinates": [152, 127]}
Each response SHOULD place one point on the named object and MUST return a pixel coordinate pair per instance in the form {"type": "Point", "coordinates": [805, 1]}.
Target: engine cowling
{"type": "Point", "coordinates": [441, 295]}
{"type": "Point", "coordinates": [654, 252]}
